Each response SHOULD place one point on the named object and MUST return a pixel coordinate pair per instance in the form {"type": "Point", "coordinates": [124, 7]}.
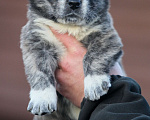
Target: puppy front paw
{"type": "Point", "coordinates": [96, 86]}
{"type": "Point", "coordinates": [43, 101]}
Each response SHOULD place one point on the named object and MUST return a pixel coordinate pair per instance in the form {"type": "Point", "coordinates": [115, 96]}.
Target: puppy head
{"type": "Point", "coordinates": [75, 12]}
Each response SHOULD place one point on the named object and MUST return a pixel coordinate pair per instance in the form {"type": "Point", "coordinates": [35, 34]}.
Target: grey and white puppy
{"type": "Point", "coordinates": [90, 23]}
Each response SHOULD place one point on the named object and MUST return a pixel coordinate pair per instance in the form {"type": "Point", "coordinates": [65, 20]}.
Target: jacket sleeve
{"type": "Point", "coordinates": [122, 102]}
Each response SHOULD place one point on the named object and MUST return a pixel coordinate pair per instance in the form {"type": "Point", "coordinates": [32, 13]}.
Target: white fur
{"type": "Point", "coordinates": [77, 31]}
{"type": "Point", "coordinates": [85, 7]}
{"type": "Point", "coordinates": [46, 94]}
{"type": "Point", "coordinates": [93, 83]}
{"type": "Point", "coordinates": [43, 98]}
{"type": "Point", "coordinates": [47, 34]}
{"type": "Point", "coordinates": [61, 6]}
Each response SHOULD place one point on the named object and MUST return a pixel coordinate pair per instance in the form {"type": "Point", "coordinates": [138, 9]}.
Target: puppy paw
{"type": "Point", "coordinates": [43, 101]}
{"type": "Point", "coordinates": [96, 86]}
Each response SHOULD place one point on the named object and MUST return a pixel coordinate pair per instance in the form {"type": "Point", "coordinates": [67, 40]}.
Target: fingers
{"type": "Point", "coordinates": [62, 80]}
{"type": "Point", "coordinates": [68, 41]}
{"type": "Point", "coordinates": [59, 73]}
{"type": "Point", "coordinates": [75, 51]}
{"type": "Point", "coordinates": [61, 76]}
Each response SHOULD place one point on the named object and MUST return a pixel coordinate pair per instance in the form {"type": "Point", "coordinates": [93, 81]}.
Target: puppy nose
{"type": "Point", "coordinates": [74, 4]}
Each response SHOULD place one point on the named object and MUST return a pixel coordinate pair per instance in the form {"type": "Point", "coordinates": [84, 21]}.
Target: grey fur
{"type": "Point", "coordinates": [41, 52]}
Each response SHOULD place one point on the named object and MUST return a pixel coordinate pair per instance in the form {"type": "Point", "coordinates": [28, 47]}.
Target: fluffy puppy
{"type": "Point", "coordinates": [90, 23]}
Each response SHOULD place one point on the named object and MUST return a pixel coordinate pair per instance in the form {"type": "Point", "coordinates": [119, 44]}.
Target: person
{"type": "Point", "coordinates": [123, 100]}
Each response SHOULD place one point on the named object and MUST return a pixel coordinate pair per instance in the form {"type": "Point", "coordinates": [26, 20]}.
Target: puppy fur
{"type": "Point", "coordinates": [91, 24]}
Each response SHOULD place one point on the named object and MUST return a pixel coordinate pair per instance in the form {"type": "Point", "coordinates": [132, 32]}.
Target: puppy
{"type": "Point", "coordinates": [90, 23]}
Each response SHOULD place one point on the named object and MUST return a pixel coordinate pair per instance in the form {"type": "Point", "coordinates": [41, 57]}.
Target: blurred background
{"type": "Point", "coordinates": [131, 19]}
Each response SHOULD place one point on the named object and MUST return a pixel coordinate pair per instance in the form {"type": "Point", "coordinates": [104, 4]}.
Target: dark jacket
{"type": "Point", "coordinates": [123, 102]}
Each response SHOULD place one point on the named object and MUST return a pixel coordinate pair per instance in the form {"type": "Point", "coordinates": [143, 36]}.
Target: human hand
{"type": "Point", "coordinates": [70, 76]}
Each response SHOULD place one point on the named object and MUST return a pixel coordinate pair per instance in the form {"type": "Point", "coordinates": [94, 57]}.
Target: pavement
{"type": "Point", "coordinates": [131, 19]}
